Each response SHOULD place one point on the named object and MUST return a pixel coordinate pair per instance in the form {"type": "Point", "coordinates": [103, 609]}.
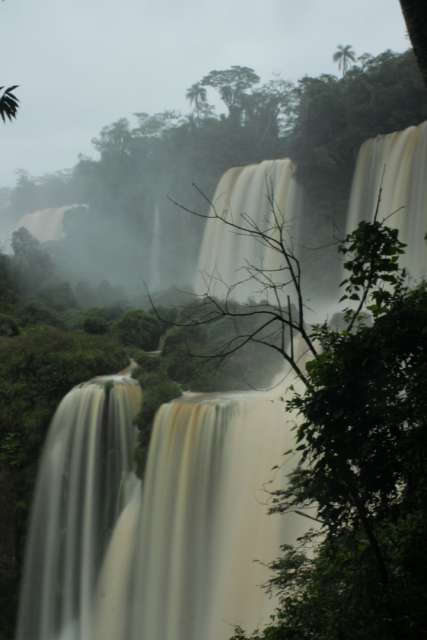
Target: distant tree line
{"type": "Point", "coordinates": [319, 122]}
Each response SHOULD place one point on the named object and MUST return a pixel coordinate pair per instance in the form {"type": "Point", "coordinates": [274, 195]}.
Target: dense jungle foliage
{"type": "Point", "coordinates": [51, 340]}
{"type": "Point", "coordinates": [62, 322]}
{"type": "Point", "coordinates": [319, 122]}
{"type": "Point", "coordinates": [360, 572]}
{"type": "Point", "coordinates": [48, 344]}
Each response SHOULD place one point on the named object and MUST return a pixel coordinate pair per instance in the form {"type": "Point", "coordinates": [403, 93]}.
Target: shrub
{"type": "Point", "coordinates": [139, 329]}
{"type": "Point", "coordinates": [8, 326]}
{"type": "Point", "coordinates": [36, 312]}
{"type": "Point", "coordinates": [157, 389]}
{"type": "Point", "coordinates": [95, 322]}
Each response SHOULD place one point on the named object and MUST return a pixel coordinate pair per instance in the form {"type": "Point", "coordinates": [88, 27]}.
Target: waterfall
{"type": "Point", "coordinates": [245, 196]}
{"type": "Point", "coordinates": [47, 224]}
{"type": "Point", "coordinates": [155, 251]}
{"type": "Point", "coordinates": [202, 538]}
{"type": "Point", "coordinates": [84, 480]}
{"type": "Point", "coordinates": [181, 558]}
{"type": "Point", "coordinates": [398, 163]}
{"type": "Point", "coordinates": [183, 555]}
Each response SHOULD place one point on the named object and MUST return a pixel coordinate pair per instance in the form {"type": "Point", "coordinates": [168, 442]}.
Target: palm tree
{"type": "Point", "coordinates": [343, 56]}
{"type": "Point", "coordinates": [196, 95]}
{"type": "Point", "coordinates": [8, 103]}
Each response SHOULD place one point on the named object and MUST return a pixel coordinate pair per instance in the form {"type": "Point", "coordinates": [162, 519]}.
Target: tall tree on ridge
{"type": "Point", "coordinates": [232, 85]}
{"type": "Point", "coordinates": [196, 95]}
{"type": "Point", "coordinates": [343, 56]}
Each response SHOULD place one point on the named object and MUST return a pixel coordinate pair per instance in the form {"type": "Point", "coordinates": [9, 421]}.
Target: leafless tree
{"type": "Point", "coordinates": [281, 310]}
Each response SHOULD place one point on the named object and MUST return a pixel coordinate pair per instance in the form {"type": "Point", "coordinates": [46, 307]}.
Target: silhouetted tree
{"type": "Point", "coordinates": [343, 56]}
{"type": "Point", "coordinates": [232, 85]}
{"type": "Point", "coordinates": [8, 103]}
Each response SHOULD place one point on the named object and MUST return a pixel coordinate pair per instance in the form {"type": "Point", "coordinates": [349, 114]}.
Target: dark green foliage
{"type": "Point", "coordinates": [37, 368]}
{"type": "Point", "coordinates": [192, 352]}
{"type": "Point", "coordinates": [319, 122]}
{"type": "Point", "coordinates": [35, 312]}
{"type": "Point", "coordinates": [8, 294]}
{"type": "Point", "coordinates": [8, 326]}
{"type": "Point", "coordinates": [157, 388]}
{"type": "Point", "coordinates": [139, 329]}
{"type": "Point", "coordinates": [372, 255]}
{"type": "Point", "coordinates": [95, 322]}
{"type": "Point", "coordinates": [9, 103]}
{"type": "Point", "coordinates": [32, 267]}
{"type": "Point", "coordinates": [232, 85]}
{"type": "Point", "coordinates": [59, 296]}
{"type": "Point", "coordinates": [334, 116]}
{"type": "Point", "coordinates": [362, 438]}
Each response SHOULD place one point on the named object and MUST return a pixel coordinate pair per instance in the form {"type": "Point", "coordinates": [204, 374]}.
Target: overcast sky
{"type": "Point", "coordinates": [81, 64]}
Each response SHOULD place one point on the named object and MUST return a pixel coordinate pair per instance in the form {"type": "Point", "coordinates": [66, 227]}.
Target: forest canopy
{"type": "Point", "coordinates": [319, 122]}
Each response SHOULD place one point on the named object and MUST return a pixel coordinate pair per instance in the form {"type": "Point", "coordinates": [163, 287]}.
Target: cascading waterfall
{"type": "Point", "coordinates": [84, 481]}
{"type": "Point", "coordinates": [246, 195]}
{"type": "Point", "coordinates": [201, 540]}
{"type": "Point", "coordinates": [183, 556]}
{"type": "Point", "coordinates": [398, 163]}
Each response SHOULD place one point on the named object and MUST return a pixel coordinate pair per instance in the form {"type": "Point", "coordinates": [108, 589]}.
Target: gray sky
{"type": "Point", "coordinates": [82, 64]}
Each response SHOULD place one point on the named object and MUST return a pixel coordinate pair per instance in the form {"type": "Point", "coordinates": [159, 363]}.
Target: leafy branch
{"type": "Point", "coordinates": [9, 103]}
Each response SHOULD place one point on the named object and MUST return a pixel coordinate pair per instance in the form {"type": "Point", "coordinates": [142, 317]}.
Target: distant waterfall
{"type": "Point", "coordinates": [156, 251]}
{"type": "Point", "coordinates": [245, 195]}
{"type": "Point", "coordinates": [202, 536]}
{"type": "Point", "coordinates": [398, 161]}
{"type": "Point", "coordinates": [83, 484]}
{"type": "Point", "coordinates": [47, 224]}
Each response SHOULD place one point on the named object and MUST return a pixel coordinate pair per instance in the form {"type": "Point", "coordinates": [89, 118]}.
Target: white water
{"type": "Point", "coordinates": [203, 535]}
{"type": "Point", "coordinates": [46, 224]}
{"type": "Point", "coordinates": [156, 251]}
{"type": "Point", "coordinates": [180, 562]}
{"type": "Point", "coordinates": [83, 484]}
{"type": "Point", "coordinates": [246, 196]}
{"type": "Point", "coordinates": [398, 161]}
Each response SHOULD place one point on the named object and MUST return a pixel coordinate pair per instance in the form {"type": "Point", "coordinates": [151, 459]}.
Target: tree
{"type": "Point", "coordinates": [197, 95]}
{"type": "Point", "coordinates": [364, 59]}
{"type": "Point", "coordinates": [343, 56]}
{"type": "Point", "coordinates": [232, 85]}
{"type": "Point", "coordinates": [9, 103]}
{"type": "Point", "coordinates": [32, 266]}
{"type": "Point", "coordinates": [281, 311]}
{"type": "Point", "coordinates": [270, 108]}
{"type": "Point", "coordinates": [363, 442]}
{"type": "Point", "coordinates": [362, 437]}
